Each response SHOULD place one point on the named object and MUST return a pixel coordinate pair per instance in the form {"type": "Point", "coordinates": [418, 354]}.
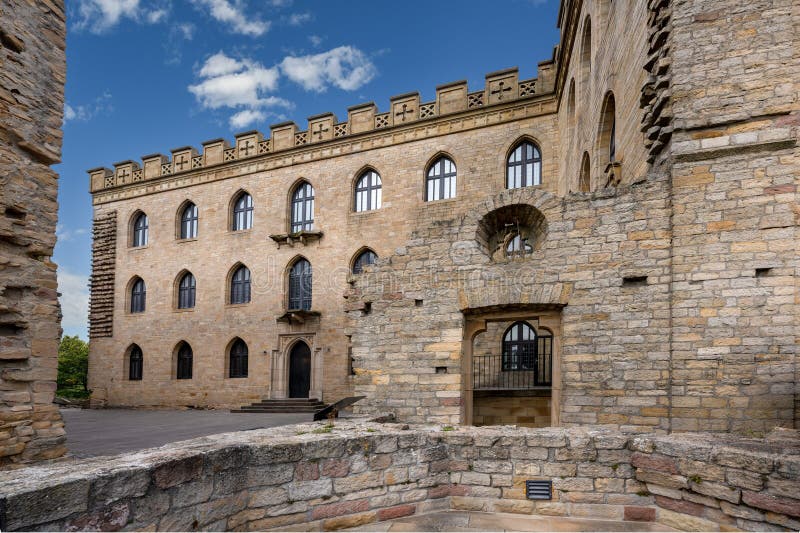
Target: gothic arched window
{"type": "Point", "coordinates": [518, 246]}
{"type": "Point", "coordinates": [368, 191]}
{"type": "Point", "coordinates": [138, 296]}
{"type": "Point", "coordinates": [302, 208]}
{"type": "Point", "coordinates": [525, 350]}
{"type": "Point", "coordinates": [186, 291]}
{"type": "Point", "coordinates": [441, 180]}
{"type": "Point", "coordinates": [300, 282]}
{"type": "Point", "coordinates": [135, 363]}
{"type": "Point", "coordinates": [184, 363]}
{"type": "Point", "coordinates": [189, 222]}
{"type": "Point", "coordinates": [238, 360]}
{"type": "Point", "coordinates": [140, 230]}
{"type": "Point", "coordinates": [242, 212]}
{"type": "Point", "coordinates": [240, 285]}
{"type": "Point", "coordinates": [524, 166]}
{"type": "Point", "coordinates": [367, 257]}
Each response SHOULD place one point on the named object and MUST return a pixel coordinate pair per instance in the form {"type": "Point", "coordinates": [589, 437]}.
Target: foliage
{"type": "Point", "coordinates": [73, 367]}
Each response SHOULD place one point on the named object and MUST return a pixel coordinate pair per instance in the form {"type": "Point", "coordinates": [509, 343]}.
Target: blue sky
{"type": "Point", "coordinates": [147, 76]}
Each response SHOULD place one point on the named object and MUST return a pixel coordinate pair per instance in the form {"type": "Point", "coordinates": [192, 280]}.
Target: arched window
{"type": "Point", "coordinates": [586, 56]}
{"type": "Point", "coordinates": [138, 296]}
{"type": "Point", "coordinates": [608, 128]}
{"type": "Point", "coordinates": [518, 246]}
{"type": "Point", "coordinates": [242, 212]}
{"type": "Point", "coordinates": [186, 291]}
{"type": "Point", "coordinates": [584, 182]}
{"type": "Point", "coordinates": [240, 285]}
{"type": "Point", "coordinates": [524, 167]}
{"type": "Point", "coordinates": [441, 180]}
{"type": "Point", "coordinates": [135, 363]}
{"type": "Point", "coordinates": [140, 230]}
{"type": "Point", "coordinates": [302, 208]}
{"type": "Point", "coordinates": [525, 350]}
{"type": "Point", "coordinates": [238, 360]}
{"type": "Point", "coordinates": [189, 222]}
{"type": "Point", "coordinates": [367, 257]}
{"type": "Point", "coordinates": [185, 358]}
{"type": "Point", "coordinates": [571, 102]}
{"type": "Point", "coordinates": [300, 283]}
{"type": "Point", "coordinates": [368, 191]}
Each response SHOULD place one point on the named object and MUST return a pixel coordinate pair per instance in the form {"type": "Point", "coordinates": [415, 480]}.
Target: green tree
{"type": "Point", "coordinates": [73, 366]}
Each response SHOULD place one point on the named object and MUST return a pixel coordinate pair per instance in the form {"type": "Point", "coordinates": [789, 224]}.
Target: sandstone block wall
{"type": "Point", "coordinates": [32, 70]}
{"type": "Point", "coordinates": [313, 478]}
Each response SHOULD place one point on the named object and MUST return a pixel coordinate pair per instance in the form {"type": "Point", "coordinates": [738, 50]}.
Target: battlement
{"type": "Point", "coordinates": [500, 87]}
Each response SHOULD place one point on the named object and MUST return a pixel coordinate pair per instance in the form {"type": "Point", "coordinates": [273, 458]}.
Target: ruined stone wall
{"type": "Point", "coordinates": [321, 478]}
{"type": "Point", "coordinates": [735, 296]}
{"type": "Point", "coordinates": [32, 70]}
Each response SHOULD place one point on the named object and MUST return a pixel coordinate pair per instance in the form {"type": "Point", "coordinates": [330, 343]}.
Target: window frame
{"type": "Point", "coordinates": [187, 295]}
{"type": "Point", "coordinates": [238, 361]}
{"type": "Point", "coordinates": [135, 363]}
{"type": "Point", "coordinates": [300, 286]}
{"type": "Point", "coordinates": [358, 265]}
{"type": "Point", "coordinates": [189, 222]}
{"type": "Point", "coordinates": [138, 296]}
{"type": "Point", "coordinates": [140, 230]}
{"type": "Point", "coordinates": [184, 362]}
{"type": "Point", "coordinates": [435, 181]}
{"type": "Point", "coordinates": [240, 287]}
{"type": "Point", "coordinates": [369, 196]}
{"type": "Point", "coordinates": [301, 211]}
{"type": "Point", "coordinates": [523, 163]}
{"type": "Point", "coordinates": [242, 215]}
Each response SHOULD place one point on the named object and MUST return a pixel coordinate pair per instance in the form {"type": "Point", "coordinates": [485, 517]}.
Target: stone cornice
{"type": "Point", "coordinates": [469, 119]}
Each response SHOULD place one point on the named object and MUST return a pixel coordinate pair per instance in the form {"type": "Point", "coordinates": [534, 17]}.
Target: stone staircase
{"type": "Point", "coordinates": [289, 405]}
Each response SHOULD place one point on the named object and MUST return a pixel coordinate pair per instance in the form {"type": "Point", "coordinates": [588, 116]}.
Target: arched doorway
{"type": "Point", "coordinates": [299, 370]}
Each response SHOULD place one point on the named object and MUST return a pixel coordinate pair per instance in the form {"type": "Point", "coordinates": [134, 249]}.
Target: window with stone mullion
{"type": "Point", "coordinates": [303, 208]}
{"type": "Point", "coordinates": [368, 192]}
{"type": "Point", "coordinates": [300, 286]}
{"type": "Point", "coordinates": [189, 222]}
{"type": "Point", "coordinates": [240, 286]}
{"type": "Point", "coordinates": [135, 364]}
{"type": "Point", "coordinates": [238, 360]}
{"type": "Point", "coordinates": [186, 292]}
{"type": "Point", "coordinates": [441, 181]}
{"type": "Point", "coordinates": [185, 357]}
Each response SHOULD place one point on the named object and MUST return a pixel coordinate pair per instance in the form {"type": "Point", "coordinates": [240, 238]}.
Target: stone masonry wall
{"type": "Point", "coordinates": [314, 477]}
{"type": "Point", "coordinates": [736, 220]}
{"type": "Point", "coordinates": [32, 70]}
{"type": "Point", "coordinates": [104, 248]}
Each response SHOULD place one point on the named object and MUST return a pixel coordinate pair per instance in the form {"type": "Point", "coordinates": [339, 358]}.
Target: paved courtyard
{"type": "Point", "coordinates": [92, 432]}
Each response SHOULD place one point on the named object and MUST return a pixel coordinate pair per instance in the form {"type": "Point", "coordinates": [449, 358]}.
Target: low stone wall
{"type": "Point", "coordinates": [315, 477]}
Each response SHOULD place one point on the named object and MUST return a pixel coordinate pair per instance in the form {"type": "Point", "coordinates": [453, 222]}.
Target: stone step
{"type": "Point", "coordinates": [286, 405]}
{"type": "Point", "coordinates": [249, 409]}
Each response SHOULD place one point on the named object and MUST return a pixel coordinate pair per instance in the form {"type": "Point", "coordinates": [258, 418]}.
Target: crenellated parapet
{"type": "Point", "coordinates": [501, 87]}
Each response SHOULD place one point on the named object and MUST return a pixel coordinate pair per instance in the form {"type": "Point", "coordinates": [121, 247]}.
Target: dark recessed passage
{"type": "Point", "coordinates": [441, 370]}
{"type": "Point", "coordinates": [367, 308]}
{"type": "Point", "coordinates": [761, 272]}
{"type": "Point", "coordinates": [418, 303]}
{"type": "Point", "coordinates": [539, 489]}
{"type": "Point", "coordinates": [634, 281]}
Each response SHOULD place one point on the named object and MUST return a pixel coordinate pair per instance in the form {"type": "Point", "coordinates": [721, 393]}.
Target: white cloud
{"type": "Point", "coordinates": [236, 16]}
{"type": "Point", "coordinates": [242, 85]}
{"type": "Point", "coordinates": [298, 19]}
{"type": "Point", "coordinates": [242, 119]}
{"type": "Point", "coordinates": [65, 234]}
{"type": "Point", "coordinates": [345, 67]}
{"type": "Point", "coordinates": [100, 16]}
{"type": "Point", "coordinates": [101, 105]}
{"type": "Point", "coordinates": [74, 300]}
{"type": "Point", "coordinates": [316, 40]}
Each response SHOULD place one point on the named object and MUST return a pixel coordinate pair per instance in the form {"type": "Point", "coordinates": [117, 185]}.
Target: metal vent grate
{"type": "Point", "coordinates": [539, 489]}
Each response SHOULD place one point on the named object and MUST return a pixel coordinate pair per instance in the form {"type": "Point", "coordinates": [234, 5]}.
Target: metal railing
{"type": "Point", "coordinates": [526, 367]}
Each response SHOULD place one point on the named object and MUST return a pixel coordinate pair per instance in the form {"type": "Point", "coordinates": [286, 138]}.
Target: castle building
{"type": "Point", "coordinates": [614, 241]}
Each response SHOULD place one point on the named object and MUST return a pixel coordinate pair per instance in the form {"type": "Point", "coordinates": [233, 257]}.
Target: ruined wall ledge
{"type": "Point", "coordinates": [361, 471]}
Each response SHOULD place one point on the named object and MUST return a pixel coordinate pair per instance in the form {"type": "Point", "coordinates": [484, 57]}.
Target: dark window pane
{"type": "Point", "coordinates": [243, 212]}
{"type": "Point", "coordinates": [140, 230]}
{"type": "Point", "coordinates": [240, 286]}
{"type": "Point", "coordinates": [186, 292]}
{"type": "Point", "coordinates": [368, 192]}
{"type": "Point", "coordinates": [302, 208]}
{"type": "Point", "coordinates": [189, 222]}
{"type": "Point", "coordinates": [135, 364]}
{"type": "Point", "coordinates": [138, 296]}
{"type": "Point", "coordinates": [185, 357]}
{"type": "Point", "coordinates": [300, 285]}
{"type": "Point", "coordinates": [238, 360]}
{"type": "Point", "coordinates": [367, 257]}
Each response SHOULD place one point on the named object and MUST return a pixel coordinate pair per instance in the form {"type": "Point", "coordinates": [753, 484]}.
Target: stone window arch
{"type": "Point", "coordinates": [586, 56]}
{"type": "Point", "coordinates": [186, 290]}
{"type": "Point", "coordinates": [300, 285]}
{"type": "Point", "coordinates": [134, 363]}
{"type": "Point", "coordinates": [512, 232]}
{"type": "Point", "coordinates": [363, 258]}
{"type": "Point", "coordinates": [606, 138]}
{"type": "Point", "coordinates": [184, 360]}
{"type": "Point", "coordinates": [188, 220]}
{"type": "Point", "coordinates": [526, 350]}
{"type": "Point", "coordinates": [137, 291]}
{"type": "Point", "coordinates": [440, 179]}
{"type": "Point", "coordinates": [302, 208]}
{"type": "Point", "coordinates": [242, 212]}
{"type": "Point", "coordinates": [140, 229]}
{"type": "Point", "coordinates": [239, 285]}
{"type": "Point", "coordinates": [238, 353]}
{"type": "Point", "coordinates": [368, 191]}
{"type": "Point", "coordinates": [524, 165]}
{"type": "Point", "coordinates": [584, 179]}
